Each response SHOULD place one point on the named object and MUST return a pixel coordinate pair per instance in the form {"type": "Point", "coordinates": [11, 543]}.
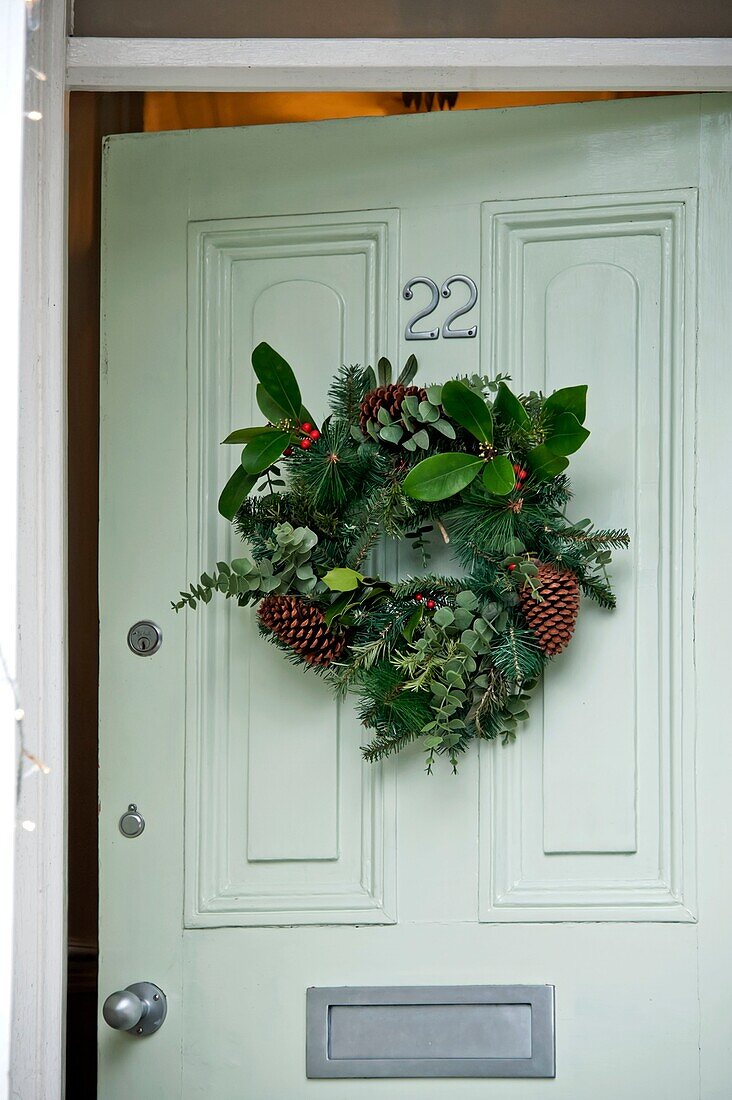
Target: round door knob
{"type": "Point", "coordinates": [140, 1009]}
{"type": "Point", "coordinates": [123, 1010]}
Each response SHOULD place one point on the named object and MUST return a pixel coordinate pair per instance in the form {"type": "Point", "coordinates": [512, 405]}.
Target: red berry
{"type": "Point", "coordinates": [523, 474]}
{"type": "Point", "coordinates": [419, 597]}
{"type": "Point", "coordinates": [512, 566]}
{"type": "Point", "coordinates": [287, 452]}
{"type": "Point", "coordinates": [306, 427]}
{"type": "Point", "coordinates": [315, 435]}
{"type": "Point", "coordinates": [431, 604]}
{"type": "Point", "coordinates": [305, 443]}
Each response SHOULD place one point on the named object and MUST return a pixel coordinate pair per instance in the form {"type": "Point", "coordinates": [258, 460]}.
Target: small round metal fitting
{"type": "Point", "coordinates": [132, 823]}
{"type": "Point", "coordinates": [144, 638]}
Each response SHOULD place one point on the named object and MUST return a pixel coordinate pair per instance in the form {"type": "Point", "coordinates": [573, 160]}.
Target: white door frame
{"type": "Point", "coordinates": [210, 65]}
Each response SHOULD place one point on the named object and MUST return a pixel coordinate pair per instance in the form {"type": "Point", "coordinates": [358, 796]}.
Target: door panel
{"type": "Point", "coordinates": [273, 859]}
{"type": "Point", "coordinates": [292, 829]}
{"type": "Point", "coordinates": [594, 816]}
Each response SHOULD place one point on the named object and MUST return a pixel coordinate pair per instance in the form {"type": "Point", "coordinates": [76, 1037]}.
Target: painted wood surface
{"type": "Point", "coordinates": [556, 860]}
{"type": "Point", "coordinates": [369, 64]}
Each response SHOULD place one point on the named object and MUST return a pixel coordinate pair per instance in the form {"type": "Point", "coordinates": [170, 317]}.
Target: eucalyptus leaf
{"type": "Point", "coordinates": [444, 616]}
{"type": "Point", "coordinates": [498, 476]}
{"type": "Point", "coordinates": [243, 566]}
{"type": "Point", "coordinates": [428, 413]}
{"type": "Point", "coordinates": [466, 598]}
{"type": "Point", "coordinates": [278, 379]}
{"type": "Point", "coordinates": [392, 433]}
{"type": "Point", "coordinates": [441, 476]}
{"type": "Point", "coordinates": [409, 445]}
{"type": "Point", "coordinates": [411, 404]}
{"type": "Point", "coordinates": [421, 439]}
{"type": "Point", "coordinates": [383, 415]}
{"type": "Point", "coordinates": [434, 395]}
{"type": "Point", "coordinates": [445, 427]}
{"type": "Point", "coordinates": [468, 409]}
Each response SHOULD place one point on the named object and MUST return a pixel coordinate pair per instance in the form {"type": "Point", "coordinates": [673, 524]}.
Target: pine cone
{"type": "Point", "coordinates": [389, 397]}
{"type": "Point", "coordinates": [553, 617]}
{"type": "Point", "coordinates": [300, 625]}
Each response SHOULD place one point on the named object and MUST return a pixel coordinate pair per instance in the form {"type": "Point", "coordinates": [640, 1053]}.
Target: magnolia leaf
{"type": "Point", "coordinates": [342, 580]}
{"type": "Point", "coordinates": [244, 435]}
{"type": "Point", "coordinates": [412, 623]}
{"type": "Point", "coordinates": [498, 476]}
{"type": "Point", "coordinates": [544, 464]}
{"type": "Point", "coordinates": [566, 434]}
{"type": "Point", "coordinates": [383, 368]}
{"type": "Point", "coordinates": [571, 399]}
{"type": "Point", "coordinates": [508, 408]}
{"type": "Point", "coordinates": [278, 379]}
{"type": "Point", "coordinates": [468, 409]}
{"type": "Point", "coordinates": [408, 371]}
{"type": "Point", "coordinates": [269, 408]}
{"type": "Point", "coordinates": [442, 475]}
{"type": "Point", "coordinates": [234, 493]}
{"type": "Point", "coordinates": [258, 455]}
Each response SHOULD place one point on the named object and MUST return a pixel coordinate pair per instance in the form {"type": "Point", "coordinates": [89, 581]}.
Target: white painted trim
{"type": "Point", "coordinates": [370, 64]}
{"type": "Point", "coordinates": [12, 84]}
{"type": "Point", "coordinates": [37, 1054]}
{"type": "Point", "coordinates": [117, 64]}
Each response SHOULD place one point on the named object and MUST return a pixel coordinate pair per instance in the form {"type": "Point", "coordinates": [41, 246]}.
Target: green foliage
{"type": "Point", "coordinates": [437, 659]}
{"type": "Point", "coordinates": [235, 492]}
{"type": "Point", "coordinates": [468, 409]}
{"type": "Point", "coordinates": [286, 567]}
{"type": "Point", "coordinates": [278, 380]}
{"type": "Point", "coordinates": [442, 476]}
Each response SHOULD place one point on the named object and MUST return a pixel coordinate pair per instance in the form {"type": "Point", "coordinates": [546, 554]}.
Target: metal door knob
{"type": "Point", "coordinates": [139, 1009]}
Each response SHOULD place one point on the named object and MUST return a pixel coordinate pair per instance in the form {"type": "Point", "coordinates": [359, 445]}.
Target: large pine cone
{"type": "Point", "coordinates": [389, 397]}
{"type": "Point", "coordinates": [552, 618]}
{"type": "Point", "coordinates": [300, 625]}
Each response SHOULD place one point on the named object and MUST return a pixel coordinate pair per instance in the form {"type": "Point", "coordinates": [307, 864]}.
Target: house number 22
{"type": "Point", "coordinates": [448, 333]}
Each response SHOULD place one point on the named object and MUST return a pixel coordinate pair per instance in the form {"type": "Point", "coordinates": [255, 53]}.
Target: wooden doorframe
{"type": "Point", "coordinates": [191, 65]}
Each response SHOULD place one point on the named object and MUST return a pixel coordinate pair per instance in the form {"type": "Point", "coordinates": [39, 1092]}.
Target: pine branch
{"type": "Point", "coordinates": [614, 539]}
{"type": "Point", "coordinates": [599, 590]}
{"type": "Point", "coordinates": [516, 654]}
{"type": "Point", "coordinates": [347, 391]}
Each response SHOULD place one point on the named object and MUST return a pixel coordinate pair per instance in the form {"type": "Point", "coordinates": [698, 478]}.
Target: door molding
{"type": "Point", "coordinates": [691, 65]}
{"type": "Point", "coordinates": [375, 64]}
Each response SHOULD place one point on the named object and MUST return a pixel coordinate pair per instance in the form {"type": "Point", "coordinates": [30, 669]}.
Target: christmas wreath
{"type": "Point", "coordinates": [443, 658]}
